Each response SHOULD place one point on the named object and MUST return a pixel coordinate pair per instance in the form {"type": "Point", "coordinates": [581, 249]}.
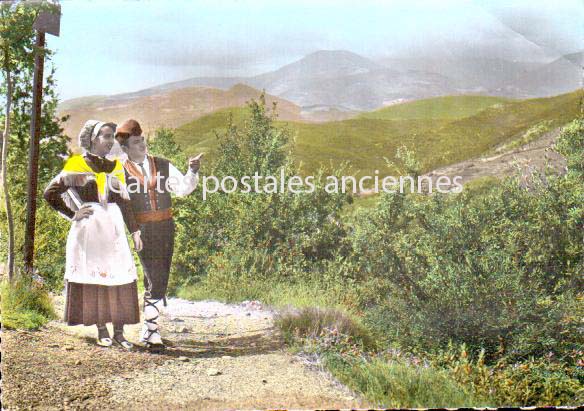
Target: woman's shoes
{"type": "Point", "coordinates": [104, 342]}
{"type": "Point", "coordinates": [103, 338]}
{"type": "Point", "coordinates": [120, 339]}
{"type": "Point", "coordinates": [122, 342]}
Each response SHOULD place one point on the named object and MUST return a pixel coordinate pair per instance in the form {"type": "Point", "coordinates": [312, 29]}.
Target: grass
{"type": "Point", "coordinates": [312, 322]}
{"type": "Point", "coordinates": [391, 384]}
{"type": "Point", "coordinates": [308, 293]}
{"type": "Point", "coordinates": [438, 137]}
{"type": "Point", "coordinates": [25, 305]}
{"type": "Point", "coordinates": [446, 108]}
{"type": "Point", "coordinates": [343, 343]}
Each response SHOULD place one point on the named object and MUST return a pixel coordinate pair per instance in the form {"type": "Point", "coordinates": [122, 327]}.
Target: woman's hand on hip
{"type": "Point", "coordinates": [136, 237]}
{"type": "Point", "coordinates": [84, 212]}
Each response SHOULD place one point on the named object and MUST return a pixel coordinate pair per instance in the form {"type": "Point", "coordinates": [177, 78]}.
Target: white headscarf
{"type": "Point", "coordinates": [90, 130]}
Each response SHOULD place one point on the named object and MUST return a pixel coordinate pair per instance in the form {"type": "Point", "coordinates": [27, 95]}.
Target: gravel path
{"type": "Point", "coordinates": [220, 356]}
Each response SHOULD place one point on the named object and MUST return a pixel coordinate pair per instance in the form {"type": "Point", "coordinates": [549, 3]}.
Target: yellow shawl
{"type": "Point", "coordinates": [77, 172]}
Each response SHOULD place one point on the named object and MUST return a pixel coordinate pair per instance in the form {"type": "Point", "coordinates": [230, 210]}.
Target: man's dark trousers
{"type": "Point", "coordinates": [156, 255]}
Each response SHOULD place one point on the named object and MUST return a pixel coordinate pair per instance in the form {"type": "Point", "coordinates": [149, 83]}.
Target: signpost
{"type": "Point", "coordinates": [46, 22]}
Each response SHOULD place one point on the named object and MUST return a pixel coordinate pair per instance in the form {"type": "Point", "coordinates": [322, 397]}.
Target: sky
{"type": "Point", "coordinates": [110, 47]}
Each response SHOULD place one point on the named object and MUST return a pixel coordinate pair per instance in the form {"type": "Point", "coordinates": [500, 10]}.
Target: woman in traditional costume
{"type": "Point", "coordinates": [100, 272]}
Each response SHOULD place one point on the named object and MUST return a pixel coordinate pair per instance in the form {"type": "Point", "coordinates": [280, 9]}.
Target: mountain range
{"type": "Point", "coordinates": [336, 84]}
{"type": "Point", "coordinates": [343, 78]}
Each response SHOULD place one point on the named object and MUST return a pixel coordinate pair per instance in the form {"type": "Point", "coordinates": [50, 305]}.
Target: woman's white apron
{"type": "Point", "coordinates": [98, 250]}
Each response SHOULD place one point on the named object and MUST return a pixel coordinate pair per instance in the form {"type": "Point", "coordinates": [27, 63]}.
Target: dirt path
{"type": "Point", "coordinates": [525, 159]}
{"type": "Point", "coordinates": [221, 357]}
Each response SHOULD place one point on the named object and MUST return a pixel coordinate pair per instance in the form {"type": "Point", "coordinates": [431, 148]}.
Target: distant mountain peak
{"type": "Point", "coordinates": [333, 53]}
{"type": "Point", "coordinates": [339, 57]}
{"type": "Point", "coordinates": [322, 64]}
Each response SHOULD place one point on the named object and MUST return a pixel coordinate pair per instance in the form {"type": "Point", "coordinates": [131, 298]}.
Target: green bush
{"type": "Point", "coordinates": [499, 267]}
{"type": "Point", "coordinates": [232, 239]}
{"type": "Point", "coordinates": [571, 145]}
{"type": "Point", "coordinates": [25, 304]}
{"type": "Point", "coordinates": [535, 381]}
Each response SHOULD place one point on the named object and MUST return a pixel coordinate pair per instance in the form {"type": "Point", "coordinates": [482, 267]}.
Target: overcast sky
{"type": "Point", "coordinates": [109, 47]}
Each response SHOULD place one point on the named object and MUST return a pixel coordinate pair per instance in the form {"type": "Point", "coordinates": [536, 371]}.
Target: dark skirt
{"type": "Point", "coordinates": [90, 304]}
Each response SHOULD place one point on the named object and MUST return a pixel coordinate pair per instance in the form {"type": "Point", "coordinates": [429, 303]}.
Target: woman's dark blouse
{"type": "Point", "coordinates": [88, 192]}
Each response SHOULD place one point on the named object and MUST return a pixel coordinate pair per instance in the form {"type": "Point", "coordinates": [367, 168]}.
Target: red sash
{"type": "Point", "coordinates": [135, 172]}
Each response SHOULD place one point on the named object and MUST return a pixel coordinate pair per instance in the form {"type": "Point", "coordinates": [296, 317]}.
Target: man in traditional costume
{"type": "Point", "coordinates": [100, 272]}
{"type": "Point", "coordinates": [151, 181]}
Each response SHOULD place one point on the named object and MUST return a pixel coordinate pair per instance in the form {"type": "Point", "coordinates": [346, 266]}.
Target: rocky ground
{"type": "Point", "coordinates": [220, 356]}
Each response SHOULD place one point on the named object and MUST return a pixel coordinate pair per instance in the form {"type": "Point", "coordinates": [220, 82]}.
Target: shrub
{"type": "Point", "coordinates": [571, 145]}
{"type": "Point", "coordinates": [535, 381]}
{"type": "Point", "coordinates": [316, 322]}
{"type": "Point", "coordinates": [25, 304]}
{"type": "Point", "coordinates": [493, 268]}
{"type": "Point", "coordinates": [237, 236]}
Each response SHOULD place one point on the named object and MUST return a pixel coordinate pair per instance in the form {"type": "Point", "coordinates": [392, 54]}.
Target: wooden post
{"type": "Point", "coordinates": [33, 161]}
{"type": "Point", "coordinates": [50, 23]}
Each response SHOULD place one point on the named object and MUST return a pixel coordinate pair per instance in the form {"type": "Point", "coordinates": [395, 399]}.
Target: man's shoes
{"type": "Point", "coordinates": [150, 334]}
{"type": "Point", "coordinates": [151, 338]}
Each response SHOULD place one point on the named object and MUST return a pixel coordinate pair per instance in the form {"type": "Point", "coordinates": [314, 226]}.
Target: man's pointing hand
{"type": "Point", "coordinates": [195, 163]}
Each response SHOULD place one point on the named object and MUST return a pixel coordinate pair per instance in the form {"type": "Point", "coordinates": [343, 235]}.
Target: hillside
{"type": "Point", "coordinates": [364, 142]}
{"type": "Point", "coordinates": [168, 108]}
{"type": "Point", "coordinates": [446, 108]}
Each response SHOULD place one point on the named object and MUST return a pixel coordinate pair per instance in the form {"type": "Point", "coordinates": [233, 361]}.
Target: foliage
{"type": "Point", "coordinates": [25, 304]}
{"type": "Point", "coordinates": [228, 238]}
{"type": "Point", "coordinates": [571, 145]}
{"type": "Point", "coordinates": [497, 268]}
{"type": "Point", "coordinates": [164, 145]}
{"type": "Point", "coordinates": [535, 381]}
{"type": "Point", "coordinates": [50, 229]}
